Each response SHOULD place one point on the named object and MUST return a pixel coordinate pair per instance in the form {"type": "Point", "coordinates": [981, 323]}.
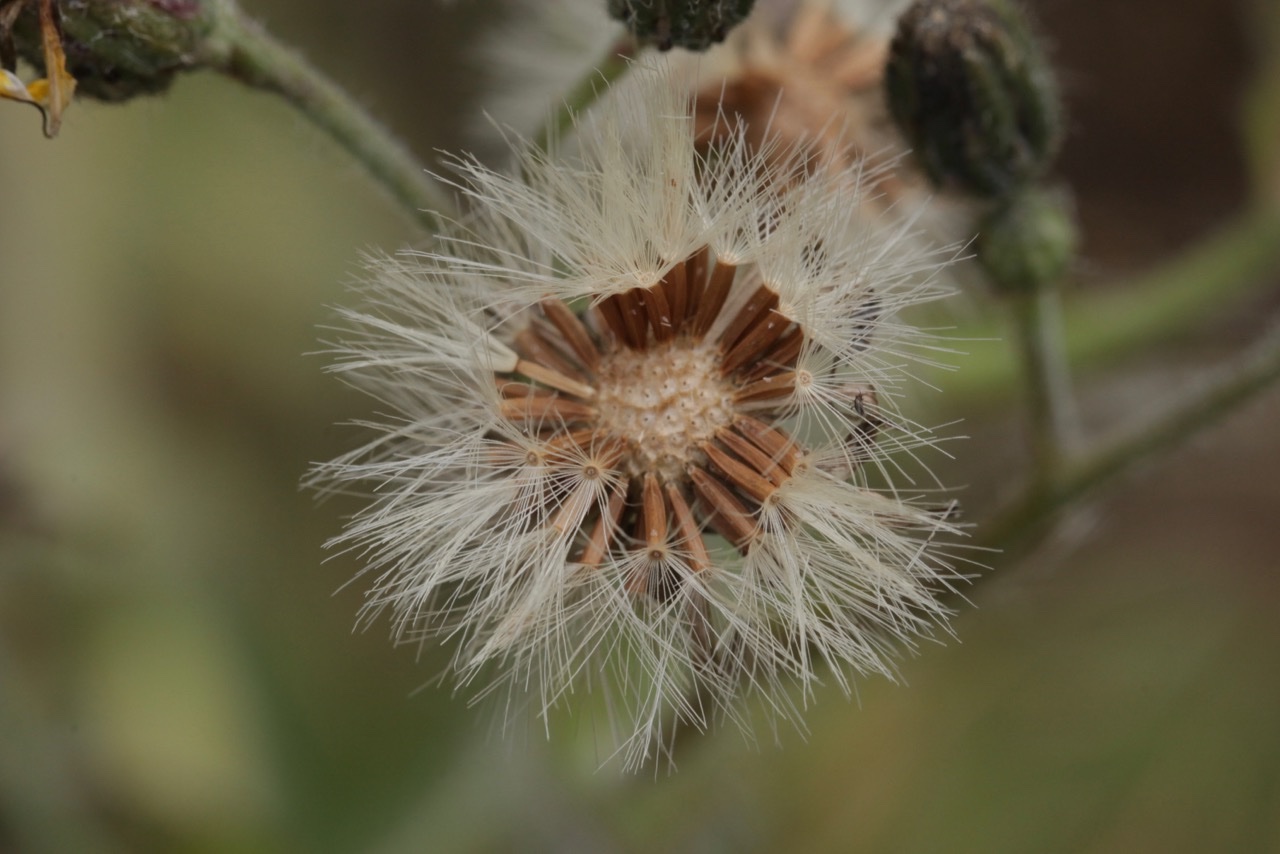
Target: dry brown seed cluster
{"type": "Point", "coordinates": [672, 395]}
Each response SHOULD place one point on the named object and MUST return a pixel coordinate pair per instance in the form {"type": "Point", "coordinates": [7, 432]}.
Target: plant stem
{"type": "Point", "coordinates": [1129, 317]}
{"type": "Point", "coordinates": [615, 62]}
{"type": "Point", "coordinates": [1177, 297]}
{"type": "Point", "coordinates": [1219, 394]}
{"type": "Point", "coordinates": [1051, 407]}
{"type": "Point", "coordinates": [241, 49]}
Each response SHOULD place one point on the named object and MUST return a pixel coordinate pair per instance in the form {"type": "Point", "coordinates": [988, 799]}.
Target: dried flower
{"type": "Point", "coordinates": [52, 93]}
{"type": "Point", "coordinates": [640, 393]}
{"type": "Point", "coordinates": [811, 72]}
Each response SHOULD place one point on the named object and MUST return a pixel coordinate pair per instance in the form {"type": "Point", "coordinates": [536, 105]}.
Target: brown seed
{"type": "Point", "coordinates": [611, 316]}
{"type": "Point", "coordinates": [658, 311]}
{"type": "Point", "coordinates": [712, 299]}
{"type": "Point", "coordinates": [553, 408]}
{"type": "Point", "coordinates": [555, 379]}
{"type": "Point", "coordinates": [752, 456]}
{"type": "Point", "coordinates": [725, 513]}
{"type": "Point", "coordinates": [776, 444]}
{"type": "Point", "coordinates": [574, 332]}
{"type": "Point", "coordinates": [688, 531]}
{"type": "Point", "coordinates": [755, 341]}
{"type": "Point", "coordinates": [675, 286]}
{"type": "Point", "coordinates": [574, 508]}
{"type": "Point", "coordinates": [600, 539]}
{"type": "Point", "coordinates": [696, 280]}
{"type": "Point", "coordinates": [760, 301]}
{"type": "Point", "coordinates": [534, 348]}
{"type": "Point", "coordinates": [765, 388]}
{"type": "Point", "coordinates": [780, 357]}
{"type": "Point", "coordinates": [654, 512]}
{"type": "Point", "coordinates": [739, 473]}
{"type": "Point", "coordinates": [516, 389]}
{"type": "Point", "coordinates": [631, 308]}
{"type": "Point", "coordinates": [570, 444]}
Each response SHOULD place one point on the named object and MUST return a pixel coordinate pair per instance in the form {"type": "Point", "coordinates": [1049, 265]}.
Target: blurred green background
{"type": "Point", "coordinates": [177, 672]}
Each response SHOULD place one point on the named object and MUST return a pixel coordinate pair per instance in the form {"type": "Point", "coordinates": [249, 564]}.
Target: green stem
{"type": "Point", "coordinates": [1180, 295]}
{"type": "Point", "coordinates": [1124, 318]}
{"type": "Point", "coordinates": [238, 47]}
{"type": "Point", "coordinates": [1051, 407]}
{"type": "Point", "coordinates": [615, 62]}
{"type": "Point", "coordinates": [1219, 394]}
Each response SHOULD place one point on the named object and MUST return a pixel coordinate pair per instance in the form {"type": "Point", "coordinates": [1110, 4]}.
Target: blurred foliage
{"type": "Point", "coordinates": [178, 673]}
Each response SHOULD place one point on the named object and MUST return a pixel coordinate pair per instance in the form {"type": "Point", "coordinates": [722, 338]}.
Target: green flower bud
{"type": "Point", "coordinates": [118, 49]}
{"type": "Point", "coordinates": [971, 89]}
{"type": "Point", "coordinates": [1028, 239]}
{"type": "Point", "coordinates": [691, 24]}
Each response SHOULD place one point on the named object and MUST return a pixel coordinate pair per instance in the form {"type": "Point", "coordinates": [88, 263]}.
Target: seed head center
{"type": "Point", "coordinates": [663, 402]}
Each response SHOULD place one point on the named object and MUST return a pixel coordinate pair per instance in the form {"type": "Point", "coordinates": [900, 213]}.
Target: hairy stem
{"type": "Point", "coordinates": [1219, 394]}
{"type": "Point", "coordinates": [1054, 422]}
{"type": "Point", "coordinates": [1125, 318]}
{"type": "Point", "coordinates": [238, 47]}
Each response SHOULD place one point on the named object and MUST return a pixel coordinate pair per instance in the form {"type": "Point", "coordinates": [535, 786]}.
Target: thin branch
{"type": "Point", "coordinates": [1109, 324]}
{"type": "Point", "coordinates": [1051, 407]}
{"type": "Point", "coordinates": [240, 48]}
{"type": "Point", "coordinates": [1224, 391]}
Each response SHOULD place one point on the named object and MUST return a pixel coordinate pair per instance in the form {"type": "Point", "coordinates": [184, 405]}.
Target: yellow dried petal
{"type": "Point", "coordinates": [13, 88]}
{"type": "Point", "coordinates": [50, 95]}
{"type": "Point", "coordinates": [60, 84]}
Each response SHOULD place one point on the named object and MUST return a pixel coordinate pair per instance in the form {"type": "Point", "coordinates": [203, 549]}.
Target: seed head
{"type": "Point", "coordinates": [640, 392]}
{"type": "Point", "coordinates": [799, 75]}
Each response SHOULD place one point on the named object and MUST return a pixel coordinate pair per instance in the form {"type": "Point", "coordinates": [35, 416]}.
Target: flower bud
{"type": "Point", "coordinates": [118, 49]}
{"type": "Point", "coordinates": [1027, 240]}
{"type": "Point", "coordinates": [691, 24]}
{"type": "Point", "coordinates": [971, 89]}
